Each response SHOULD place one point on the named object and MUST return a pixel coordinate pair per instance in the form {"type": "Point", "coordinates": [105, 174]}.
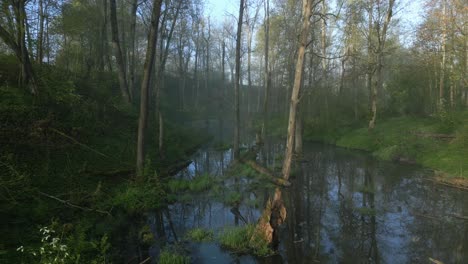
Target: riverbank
{"type": "Point", "coordinates": [441, 145]}
{"type": "Point", "coordinates": [67, 163]}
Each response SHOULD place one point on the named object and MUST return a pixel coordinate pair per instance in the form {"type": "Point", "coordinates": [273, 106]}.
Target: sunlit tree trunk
{"type": "Point", "coordinates": [306, 14]}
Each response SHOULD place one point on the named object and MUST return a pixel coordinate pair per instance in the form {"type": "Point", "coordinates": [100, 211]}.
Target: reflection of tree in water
{"type": "Point", "coordinates": [342, 207]}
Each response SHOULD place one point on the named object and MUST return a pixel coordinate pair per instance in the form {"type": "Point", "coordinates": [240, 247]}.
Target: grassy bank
{"type": "Point", "coordinates": [439, 144]}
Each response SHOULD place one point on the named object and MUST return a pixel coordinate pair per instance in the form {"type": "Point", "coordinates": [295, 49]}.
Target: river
{"type": "Point", "coordinates": [343, 206]}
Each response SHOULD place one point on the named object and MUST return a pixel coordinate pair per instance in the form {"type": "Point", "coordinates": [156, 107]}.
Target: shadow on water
{"type": "Point", "coordinates": [343, 207]}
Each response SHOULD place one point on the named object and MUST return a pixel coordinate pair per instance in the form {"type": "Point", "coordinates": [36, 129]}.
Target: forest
{"type": "Point", "coordinates": [245, 131]}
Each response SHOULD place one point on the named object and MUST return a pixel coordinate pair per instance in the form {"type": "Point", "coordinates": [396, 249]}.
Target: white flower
{"type": "Point", "coordinates": [21, 248]}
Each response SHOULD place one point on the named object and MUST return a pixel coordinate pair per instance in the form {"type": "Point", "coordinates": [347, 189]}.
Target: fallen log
{"type": "Point", "coordinates": [67, 203]}
{"type": "Point", "coordinates": [271, 176]}
{"type": "Point", "coordinates": [174, 169]}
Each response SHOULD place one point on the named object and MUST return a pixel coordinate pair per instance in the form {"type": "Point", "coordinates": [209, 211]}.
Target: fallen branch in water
{"type": "Point", "coordinates": [262, 170]}
{"type": "Point", "coordinates": [435, 261]}
{"type": "Point", "coordinates": [67, 203]}
{"type": "Point", "coordinates": [448, 184]}
{"type": "Point", "coordinates": [146, 260]}
{"type": "Point", "coordinates": [77, 142]}
{"type": "Point", "coordinates": [460, 216]}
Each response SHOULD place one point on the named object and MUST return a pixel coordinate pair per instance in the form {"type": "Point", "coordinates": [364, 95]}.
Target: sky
{"type": "Point", "coordinates": [218, 9]}
{"type": "Point", "coordinates": [410, 14]}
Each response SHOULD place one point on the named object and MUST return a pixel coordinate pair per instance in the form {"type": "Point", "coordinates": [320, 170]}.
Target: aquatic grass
{"type": "Point", "coordinates": [238, 240]}
{"type": "Point", "coordinates": [168, 257]}
{"type": "Point", "coordinates": [200, 235]}
{"type": "Point", "coordinates": [197, 184]}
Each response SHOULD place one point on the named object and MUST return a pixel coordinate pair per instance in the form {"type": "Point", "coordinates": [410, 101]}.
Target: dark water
{"type": "Point", "coordinates": [343, 207]}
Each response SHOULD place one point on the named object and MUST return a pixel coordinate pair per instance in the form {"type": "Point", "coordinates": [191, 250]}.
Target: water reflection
{"type": "Point", "coordinates": [343, 207]}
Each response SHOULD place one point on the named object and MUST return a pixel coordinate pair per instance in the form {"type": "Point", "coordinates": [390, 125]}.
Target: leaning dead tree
{"type": "Point", "coordinates": [275, 212]}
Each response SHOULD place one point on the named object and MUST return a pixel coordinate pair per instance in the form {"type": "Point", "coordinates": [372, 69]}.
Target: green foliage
{"type": "Point", "coordinates": [168, 257]}
{"type": "Point", "coordinates": [233, 198]}
{"type": "Point", "coordinates": [196, 185]}
{"type": "Point", "coordinates": [65, 247]}
{"type": "Point", "coordinates": [238, 239]}
{"type": "Point", "coordinates": [138, 197]}
{"type": "Point", "coordinates": [200, 235]}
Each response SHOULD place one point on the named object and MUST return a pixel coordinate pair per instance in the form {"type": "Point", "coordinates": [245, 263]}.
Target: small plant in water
{"type": "Point", "coordinates": [238, 239]}
{"type": "Point", "coordinates": [200, 235]}
{"type": "Point", "coordinates": [168, 257]}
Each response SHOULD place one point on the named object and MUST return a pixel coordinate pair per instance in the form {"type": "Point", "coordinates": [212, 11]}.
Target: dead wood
{"type": "Point", "coordinates": [265, 171]}
{"type": "Point", "coordinates": [67, 203]}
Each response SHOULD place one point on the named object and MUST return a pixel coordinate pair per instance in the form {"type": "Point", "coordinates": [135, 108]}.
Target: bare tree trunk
{"type": "Point", "coordinates": [19, 46]}
{"type": "Point", "coordinates": [40, 34]}
{"type": "Point", "coordinates": [266, 73]}
{"type": "Point", "coordinates": [237, 82]}
{"type": "Point", "coordinates": [275, 212]}
{"type": "Point", "coordinates": [444, 55]}
{"type": "Point", "coordinates": [118, 52]}
{"type": "Point", "coordinates": [381, 36]}
{"type": "Point", "coordinates": [160, 81]}
{"type": "Point", "coordinates": [132, 64]}
{"type": "Point", "coordinates": [148, 69]}
{"type": "Point", "coordinates": [306, 14]}
{"type": "Point", "coordinates": [299, 131]}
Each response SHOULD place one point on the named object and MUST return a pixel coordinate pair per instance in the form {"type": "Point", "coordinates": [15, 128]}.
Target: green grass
{"type": "Point", "coordinates": [237, 239]}
{"type": "Point", "coordinates": [200, 235]}
{"type": "Point", "coordinates": [397, 138]}
{"type": "Point", "coordinates": [168, 257]}
{"type": "Point", "coordinates": [196, 185]}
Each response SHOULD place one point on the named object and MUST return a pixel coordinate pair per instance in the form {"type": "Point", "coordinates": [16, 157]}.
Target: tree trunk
{"type": "Point", "coordinates": [19, 46]}
{"type": "Point", "coordinates": [132, 66]}
{"type": "Point", "coordinates": [381, 36]}
{"type": "Point", "coordinates": [306, 14]}
{"type": "Point", "coordinates": [298, 137]}
{"type": "Point", "coordinates": [266, 73]}
{"type": "Point", "coordinates": [148, 69]}
{"type": "Point", "coordinates": [40, 34]}
{"type": "Point", "coordinates": [160, 81]}
{"type": "Point", "coordinates": [237, 82]}
{"type": "Point", "coordinates": [118, 52]}
{"type": "Point", "coordinates": [444, 55]}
